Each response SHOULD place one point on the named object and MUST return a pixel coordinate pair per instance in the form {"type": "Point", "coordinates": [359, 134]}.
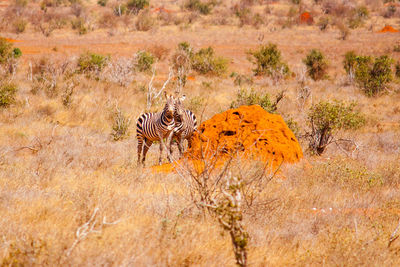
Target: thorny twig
{"type": "Point", "coordinates": [38, 144]}
{"type": "Point", "coordinates": [152, 92]}
{"type": "Point", "coordinates": [394, 235]}
{"type": "Point", "coordinates": [87, 228]}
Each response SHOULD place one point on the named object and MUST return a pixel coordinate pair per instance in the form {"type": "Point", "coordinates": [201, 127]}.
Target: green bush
{"type": "Point", "coordinates": [7, 94]}
{"type": "Point", "coordinates": [316, 64]}
{"type": "Point", "coordinates": [136, 5]}
{"type": "Point", "coordinates": [16, 52]}
{"type": "Point", "coordinates": [268, 61]}
{"type": "Point", "coordinates": [251, 97]}
{"type": "Point", "coordinates": [205, 62]}
{"type": "Point", "coordinates": [199, 6]}
{"type": "Point", "coordinates": [373, 75]}
{"type": "Point", "coordinates": [144, 61]}
{"type": "Point", "coordinates": [327, 118]}
{"type": "Point", "coordinates": [91, 62]}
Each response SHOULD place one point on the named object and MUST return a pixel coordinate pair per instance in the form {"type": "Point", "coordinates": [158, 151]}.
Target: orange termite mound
{"type": "Point", "coordinates": [388, 28]}
{"type": "Point", "coordinates": [306, 18]}
{"type": "Point", "coordinates": [249, 131]}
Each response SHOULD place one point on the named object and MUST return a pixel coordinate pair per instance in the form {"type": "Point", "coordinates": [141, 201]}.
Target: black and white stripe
{"type": "Point", "coordinates": [185, 125]}
{"type": "Point", "coordinates": [152, 127]}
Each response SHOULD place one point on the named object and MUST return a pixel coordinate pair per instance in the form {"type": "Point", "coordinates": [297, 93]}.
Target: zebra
{"type": "Point", "coordinates": [152, 127]}
{"type": "Point", "coordinates": [185, 125]}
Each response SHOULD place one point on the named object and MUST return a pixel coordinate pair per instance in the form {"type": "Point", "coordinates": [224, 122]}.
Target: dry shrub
{"type": "Point", "coordinates": [344, 31]}
{"type": "Point", "coordinates": [47, 73]}
{"type": "Point", "coordinates": [391, 11]}
{"type": "Point", "coordinates": [221, 16]}
{"type": "Point", "coordinates": [190, 18]}
{"type": "Point", "coordinates": [337, 8]}
{"type": "Point", "coordinates": [7, 94]}
{"type": "Point", "coordinates": [246, 16]}
{"type": "Point", "coordinates": [168, 17]}
{"type": "Point", "coordinates": [13, 18]}
{"type": "Point", "coordinates": [159, 51]}
{"type": "Point", "coordinates": [120, 125]}
{"type": "Point", "coordinates": [145, 21]}
{"type": "Point", "coordinates": [52, 19]}
{"type": "Point", "coordinates": [120, 71]}
{"type": "Point", "coordinates": [108, 20]}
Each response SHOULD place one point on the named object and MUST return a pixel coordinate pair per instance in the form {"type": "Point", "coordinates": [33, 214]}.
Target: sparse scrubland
{"type": "Point", "coordinates": [75, 75]}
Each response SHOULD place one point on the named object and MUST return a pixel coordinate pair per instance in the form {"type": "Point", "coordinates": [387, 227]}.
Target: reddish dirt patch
{"type": "Point", "coordinates": [388, 28]}
{"type": "Point", "coordinates": [162, 9]}
{"type": "Point", "coordinates": [11, 40]}
{"type": "Point", "coordinates": [249, 131]}
{"type": "Point", "coordinates": [306, 18]}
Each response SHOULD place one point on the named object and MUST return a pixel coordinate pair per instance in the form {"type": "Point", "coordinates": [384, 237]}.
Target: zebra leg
{"type": "Point", "coordinates": [180, 146]}
{"type": "Point", "coordinates": [146, 147]}
{"type": "Point", "coordinates": [139, 149]}
{"type": "Point", "coordinates": [162, 146]}
{"type": "Point", "coordinates": [161, 150]}
{"type": "Point", "coordinates": [170, 140]}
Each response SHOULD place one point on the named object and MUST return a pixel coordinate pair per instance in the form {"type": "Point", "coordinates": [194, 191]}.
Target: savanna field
{"type": "Point", "coordinates": [309, 177]}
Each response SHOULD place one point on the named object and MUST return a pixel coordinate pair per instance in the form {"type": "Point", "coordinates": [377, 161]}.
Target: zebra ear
{"type": "Point", "coordinates": [182, 98]}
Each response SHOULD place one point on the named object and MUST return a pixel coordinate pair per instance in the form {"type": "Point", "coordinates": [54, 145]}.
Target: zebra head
{"type": "Point", "coordinates": [169, 107]}
{"type": "Point", "coordinates": [179, 109]}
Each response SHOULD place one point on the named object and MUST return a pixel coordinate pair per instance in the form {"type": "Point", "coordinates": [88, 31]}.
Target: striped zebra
{"type": "Point", "coordinates": [152, 127]}
{"type": "Point", "coordinates": [185, 125]}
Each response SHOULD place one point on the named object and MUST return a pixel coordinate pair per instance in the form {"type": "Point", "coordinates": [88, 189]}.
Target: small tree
{"type": "Point", "coordinates": [326, 119]}
{"type": "Point", "coordinates": [373, 75]}
{"type": "Point", "coordinates": [268, 61]}
{"type": "Point", "coordinates": [226, 193]}
{"type": "Point", "coordinates": [181, 62]}
{"type": "Point", "coordinates": [316, 65]}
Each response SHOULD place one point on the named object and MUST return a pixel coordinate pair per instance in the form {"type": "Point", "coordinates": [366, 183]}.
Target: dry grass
{"type": "Point", "coordinates": [58, 162]}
